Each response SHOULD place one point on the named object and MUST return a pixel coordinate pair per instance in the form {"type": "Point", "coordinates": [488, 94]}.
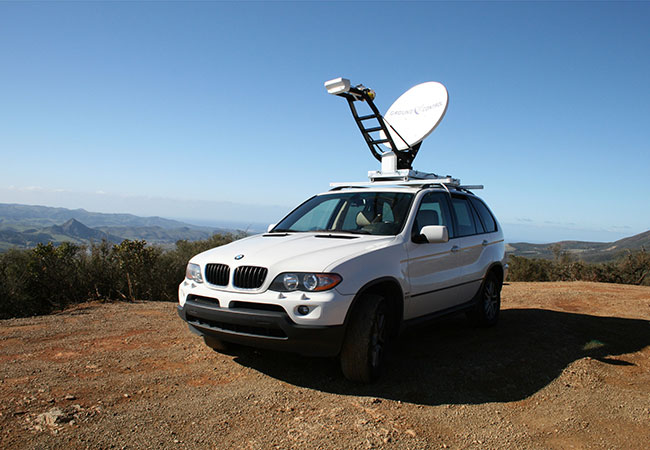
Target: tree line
{"type": "Point", "coordinates": [48, 278]}
{"type": "Point", "coordinates": [632, 267]}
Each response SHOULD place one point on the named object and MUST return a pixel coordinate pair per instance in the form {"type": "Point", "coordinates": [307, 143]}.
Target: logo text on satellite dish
{"type": "Point", "coordinates": [422, 109]}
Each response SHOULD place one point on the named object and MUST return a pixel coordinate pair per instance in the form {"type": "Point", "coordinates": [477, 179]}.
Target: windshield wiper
{"type": "Point", "coordinates": [335, 236]}
{"type": "Point", "coordinates": [344, 231]}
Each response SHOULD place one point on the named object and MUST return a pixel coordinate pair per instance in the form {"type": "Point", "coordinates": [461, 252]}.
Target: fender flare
{"type": "Point", "coordinates": [369, 285]}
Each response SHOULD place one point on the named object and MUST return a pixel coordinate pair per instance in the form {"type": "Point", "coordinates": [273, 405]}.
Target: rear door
{"type": "Point", "coordinates": [490, 239]}
{"type": "Point", "coordinates": [473, 241]}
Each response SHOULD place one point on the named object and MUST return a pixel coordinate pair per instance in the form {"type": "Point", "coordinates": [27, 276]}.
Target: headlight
{"type": "Point", "coordinates": [193, 272]}
{"type": "Point", "coordinates": [301, 281]}
{"type": "Point", "coordinates": [290, 282]}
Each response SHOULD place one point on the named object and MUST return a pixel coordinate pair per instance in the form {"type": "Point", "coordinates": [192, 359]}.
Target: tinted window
{"type": "Point", "coordinates": [486, 217]}
{"type": "Point", "coordinates": [433, 211]}
{"type": "Point", "coordinates": [479, 226]}
{"type": "Point", "coordinates": [463, 211]}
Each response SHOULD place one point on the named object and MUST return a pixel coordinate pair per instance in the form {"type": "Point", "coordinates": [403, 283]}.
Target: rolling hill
{"type": "Point", "coordinates": [586, 251]}
{"type": "Point", "coordinates": [24, 226]}
{"type": "Point", "coordinates": [43, 216]}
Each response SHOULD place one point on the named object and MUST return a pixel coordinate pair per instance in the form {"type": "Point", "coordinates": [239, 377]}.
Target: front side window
{"type": "Point", "coordinates": [375, 213]}
{"type": "Point", "coordinates": [433, 210]}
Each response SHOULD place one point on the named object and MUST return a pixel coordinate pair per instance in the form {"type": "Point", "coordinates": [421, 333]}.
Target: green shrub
{"type": "Point", "coordinates": [631, 268]}
{"type": "Point", "coordinates": [48, 278]}
{"type": "Point", "coordinates": [137, 266]}
{"type": "Point", "coordinates": [101, 271]}
{"type": "Point", "coordinates": [14, 298]}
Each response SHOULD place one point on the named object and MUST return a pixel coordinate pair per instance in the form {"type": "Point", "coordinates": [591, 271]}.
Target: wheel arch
{"type": "Point", "coordinates": [391, 290]}
{"type": "Point", "coordinates": [497, 269]}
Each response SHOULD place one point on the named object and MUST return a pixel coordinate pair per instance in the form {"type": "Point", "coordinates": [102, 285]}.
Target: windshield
{"type": "Point", "coordinates": [376, 213]}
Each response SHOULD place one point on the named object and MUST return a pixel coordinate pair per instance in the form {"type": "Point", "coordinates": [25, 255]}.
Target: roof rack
{"type": "Point", "coordinates": [407, 178]}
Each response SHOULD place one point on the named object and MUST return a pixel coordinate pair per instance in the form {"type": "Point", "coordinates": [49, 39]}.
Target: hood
{"type": "Point", "coordinates": [300, 252]}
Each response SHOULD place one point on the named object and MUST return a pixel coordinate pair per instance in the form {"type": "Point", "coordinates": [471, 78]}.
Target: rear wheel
{"type": "Point", "coordinates": [364, 348]}
{"type": "Point", "coordinates": [488, 302]}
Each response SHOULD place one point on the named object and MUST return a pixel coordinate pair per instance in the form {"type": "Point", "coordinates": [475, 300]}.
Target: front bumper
{"type": "Point", "coordinates": [264, 329]}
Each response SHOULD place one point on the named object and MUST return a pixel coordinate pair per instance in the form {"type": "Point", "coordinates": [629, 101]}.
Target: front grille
{"type": "Point", "coordinates": [217, 274]}
{"type": "Point", "coordinates": [249, 277]}
{"type": "Point", "coordinates": [271, 332]}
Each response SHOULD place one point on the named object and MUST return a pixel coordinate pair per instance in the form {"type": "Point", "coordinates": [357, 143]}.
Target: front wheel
{"type": "Point", "coordinates": [364, 348]}
{"type": "Point", "coordinates": [488, 302]}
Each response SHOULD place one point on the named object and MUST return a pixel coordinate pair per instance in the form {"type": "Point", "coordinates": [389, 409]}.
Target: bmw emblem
{"type": "Point", "coordinates": [238, 257]}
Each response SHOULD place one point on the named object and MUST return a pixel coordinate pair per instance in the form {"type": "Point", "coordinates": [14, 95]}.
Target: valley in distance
{"type": "Point", "coordinates": [25, 226]}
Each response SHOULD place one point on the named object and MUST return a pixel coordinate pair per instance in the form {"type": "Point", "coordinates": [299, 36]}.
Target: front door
{"type": "Point", "coordinates": [434, 270]}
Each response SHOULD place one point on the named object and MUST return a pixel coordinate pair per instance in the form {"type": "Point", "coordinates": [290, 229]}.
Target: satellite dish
{"type": "Point", "coordinates": [415, 114]}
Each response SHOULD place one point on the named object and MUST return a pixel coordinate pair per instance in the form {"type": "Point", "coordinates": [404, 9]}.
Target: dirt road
{"type": "Point", "coordinates": [567, 367]}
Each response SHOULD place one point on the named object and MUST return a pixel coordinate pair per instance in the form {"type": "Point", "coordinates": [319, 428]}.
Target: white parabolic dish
{"type": "Point", "coordinates": [416, 113]}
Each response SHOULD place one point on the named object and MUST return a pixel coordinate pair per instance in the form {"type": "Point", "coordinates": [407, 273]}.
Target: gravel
{"type": "Point", "coordinates": [568, 366]}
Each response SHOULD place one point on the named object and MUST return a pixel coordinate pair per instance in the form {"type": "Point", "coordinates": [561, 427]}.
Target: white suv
{"type": "Point", "coordinates": [348, 269]}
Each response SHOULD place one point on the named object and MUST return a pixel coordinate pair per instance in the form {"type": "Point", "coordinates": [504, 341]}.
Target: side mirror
{"type": "Point", "coordinates": [435, 234]}
{"type": "Point", "coordinates": [270, 227]}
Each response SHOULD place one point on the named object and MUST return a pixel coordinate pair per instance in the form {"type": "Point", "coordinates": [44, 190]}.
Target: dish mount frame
{"type": "Point", "coordinates": [361, 93]}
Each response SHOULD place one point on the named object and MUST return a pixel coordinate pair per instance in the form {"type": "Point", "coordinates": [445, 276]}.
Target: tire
{"type": "Point", "coordinates": [488, 302]}
{"type": "Point", "coordinates": [216, 344]}
{"type": "Point", "coordinates": [364, 349]}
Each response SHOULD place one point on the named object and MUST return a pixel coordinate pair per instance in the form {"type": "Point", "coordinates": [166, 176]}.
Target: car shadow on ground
{"type": "Point", "coordinates": [451, 362]}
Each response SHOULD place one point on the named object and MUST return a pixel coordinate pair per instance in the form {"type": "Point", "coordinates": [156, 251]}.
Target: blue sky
{"type": "Point", "coordinates": [216, 112]}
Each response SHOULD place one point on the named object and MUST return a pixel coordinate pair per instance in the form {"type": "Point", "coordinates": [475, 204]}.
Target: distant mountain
{"type": "Point", "coordinates": [77, 230]}
{"type": "Point", "coordinates": [24, 226]}
{"type": "Point", "coordinates": [46, 216]}
{"type": "Point", "coordinates": [586, 251]}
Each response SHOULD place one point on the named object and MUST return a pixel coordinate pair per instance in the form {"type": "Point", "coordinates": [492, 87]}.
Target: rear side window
{"type": "Point", "coordinates": [477, 222]}
{"type": "Point", "coordinates": [489, 223]}
{"type": "Point", "coordinates": [463, 211]}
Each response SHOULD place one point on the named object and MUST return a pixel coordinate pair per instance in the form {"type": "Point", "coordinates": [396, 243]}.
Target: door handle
{"type": "Point", "coordinates": [455, 248]}
{"type": "Point", "coordinates": [485, 242]}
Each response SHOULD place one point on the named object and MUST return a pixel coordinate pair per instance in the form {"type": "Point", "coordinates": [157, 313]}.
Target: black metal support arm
{"type": "Point", "coordinates": [361, 93]}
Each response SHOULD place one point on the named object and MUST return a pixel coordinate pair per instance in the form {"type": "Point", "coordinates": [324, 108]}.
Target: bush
{"type": "Point", "coordinates": [47, 278]}
{"type": "Point", "coordinates": [631, 268]}
{"type": "Point", "coordinates": [14, 298]}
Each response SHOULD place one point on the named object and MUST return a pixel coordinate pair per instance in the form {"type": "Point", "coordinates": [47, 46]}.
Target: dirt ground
{"type": "Point", "coordinates": [568, 366]}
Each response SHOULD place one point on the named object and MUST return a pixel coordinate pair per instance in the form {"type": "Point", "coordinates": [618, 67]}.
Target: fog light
{"type": "Point", "coordinates": [303, 310]}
